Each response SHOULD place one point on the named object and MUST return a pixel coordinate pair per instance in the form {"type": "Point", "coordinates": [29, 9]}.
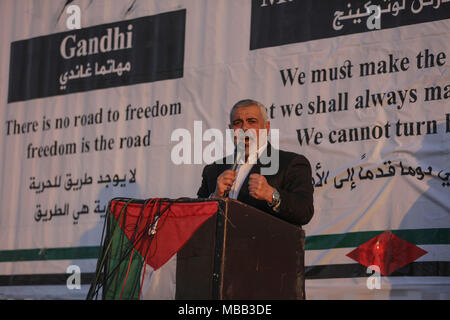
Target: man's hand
{"type": "Point", "coordinates": [224, 182]}
{"type": "Point", "coordinates": [259, 188]}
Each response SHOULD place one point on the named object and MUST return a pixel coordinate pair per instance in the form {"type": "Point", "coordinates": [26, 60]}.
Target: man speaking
{"type": "Point", "coordinates": [286, 193]}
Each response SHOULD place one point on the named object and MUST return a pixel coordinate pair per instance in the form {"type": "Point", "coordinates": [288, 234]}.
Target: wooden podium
{"type": "Point", "coordinates": [242, 253]}
{"type": "Point", "coordinates": [233, 252]}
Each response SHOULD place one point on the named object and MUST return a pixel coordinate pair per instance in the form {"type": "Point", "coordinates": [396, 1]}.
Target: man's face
{"type": "Point", "coordinates": [249, 117]}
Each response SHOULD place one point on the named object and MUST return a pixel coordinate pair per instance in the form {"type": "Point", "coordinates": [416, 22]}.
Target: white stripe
{"type": "Point", "coordinates": [160, 284]}
{"type": "Point", "coordinates": [43, 292]}
{"type": "Point", "coordinates": [46, 266]}
{"type": "Point", "coordinates": [417, 288]}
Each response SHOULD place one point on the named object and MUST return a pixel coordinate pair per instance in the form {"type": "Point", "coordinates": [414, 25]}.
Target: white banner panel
{"type": "Point", "coordinates": [87, 115]}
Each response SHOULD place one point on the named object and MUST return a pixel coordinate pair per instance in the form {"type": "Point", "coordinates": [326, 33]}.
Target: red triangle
{"type": "Point", "coordinates": [175, 227]}
{"type": "Point", "coordinates": [387, 251]}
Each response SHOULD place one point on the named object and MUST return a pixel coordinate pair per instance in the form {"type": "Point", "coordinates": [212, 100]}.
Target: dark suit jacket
{"type": "Point", "coordinates": [293, 180]}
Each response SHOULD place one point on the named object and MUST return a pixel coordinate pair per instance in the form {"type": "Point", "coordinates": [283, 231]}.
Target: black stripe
{"type": "Point", "coordinates": [415, 269]}
{"type": "Point", "coordinates": [43, 279]}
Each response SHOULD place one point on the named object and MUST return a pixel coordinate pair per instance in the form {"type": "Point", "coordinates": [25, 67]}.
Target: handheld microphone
{"type": "Point", "coordinates": [240, 150]}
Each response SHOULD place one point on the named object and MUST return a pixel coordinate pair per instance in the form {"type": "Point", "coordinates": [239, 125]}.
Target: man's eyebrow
{"type": "Point", "coordinates": [249, 118]}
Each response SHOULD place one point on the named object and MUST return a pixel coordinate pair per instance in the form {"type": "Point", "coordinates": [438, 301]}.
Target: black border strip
{"type": "Point", "coordinates": [353, 270]}
{"type": "Point", "coordinates": [356, 270]}
{"type": "Point", "coordinates": [46, 279]}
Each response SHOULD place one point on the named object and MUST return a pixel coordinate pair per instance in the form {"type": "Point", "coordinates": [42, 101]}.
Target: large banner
{"type": "Point", "coordinates": [93, 91]}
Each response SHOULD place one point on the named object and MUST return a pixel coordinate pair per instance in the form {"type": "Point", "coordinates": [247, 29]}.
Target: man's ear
{"type": "Point", "coordinates": [268, 127]}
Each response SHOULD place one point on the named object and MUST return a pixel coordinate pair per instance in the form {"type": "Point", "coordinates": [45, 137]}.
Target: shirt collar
{"type": "Point", "coordinates": [253, 157]}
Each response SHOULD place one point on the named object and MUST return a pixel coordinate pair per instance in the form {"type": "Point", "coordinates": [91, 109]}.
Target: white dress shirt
{"type": "Point", "coordinates": [242, 172]}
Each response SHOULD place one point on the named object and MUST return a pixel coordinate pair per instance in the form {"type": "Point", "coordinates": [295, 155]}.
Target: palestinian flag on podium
{"type": "Point", "coordinates": [140, 235]}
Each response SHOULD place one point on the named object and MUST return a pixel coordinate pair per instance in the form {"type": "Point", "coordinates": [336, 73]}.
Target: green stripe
{"type": "Point", "coordinates": [354, 239]}
{"type": "Point", "coordinates": [318, 242]}
{"type": "Point", "coordinates": [124, 269]}
{"type": "Point", "coordinates": [71, 253]}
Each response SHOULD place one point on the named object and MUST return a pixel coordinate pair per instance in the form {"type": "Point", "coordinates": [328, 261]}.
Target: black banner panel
{"type": "Point", "coordinates": [280, 22]}
{"type": "Point", "coordinates": [117, 54]}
